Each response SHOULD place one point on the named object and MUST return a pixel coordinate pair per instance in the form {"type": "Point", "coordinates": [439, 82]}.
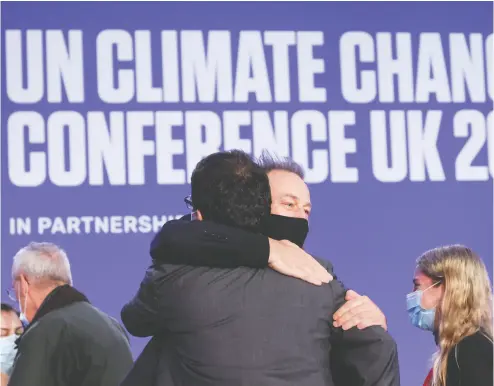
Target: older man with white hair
{"type": "Point", "coordinates": [67, 341]}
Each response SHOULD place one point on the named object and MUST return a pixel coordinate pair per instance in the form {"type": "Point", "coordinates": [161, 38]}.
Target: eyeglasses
{"type": "Point", "coordinates": [188, 202]}
{"type": "Point", "coordinates": [11, 294]}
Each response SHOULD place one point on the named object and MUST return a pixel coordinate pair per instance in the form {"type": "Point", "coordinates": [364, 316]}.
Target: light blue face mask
{"type": "Point", "coordinates": [420, 317]}
{"type": "Point", "coordinates": [8, 352]}
{"type": "Point", "coordinates": [24, 320]}
{"type": "Point", "coordinates": [22, 316]}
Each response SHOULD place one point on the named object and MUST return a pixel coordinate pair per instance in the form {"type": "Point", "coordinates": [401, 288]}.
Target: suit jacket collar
{"type": "Point", "coordinates": [62, 296]}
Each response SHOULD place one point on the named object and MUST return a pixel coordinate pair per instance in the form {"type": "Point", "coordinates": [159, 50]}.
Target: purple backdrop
{"type": "Point", "coordinates": [381, 194]}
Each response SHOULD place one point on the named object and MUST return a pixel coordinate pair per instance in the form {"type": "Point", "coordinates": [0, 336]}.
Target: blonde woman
{"type": "Point", "coordinates": [452, 298]}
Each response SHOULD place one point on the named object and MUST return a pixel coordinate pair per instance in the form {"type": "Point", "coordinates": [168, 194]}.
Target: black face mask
{"type": "Point", "coordinates": [286, 228]}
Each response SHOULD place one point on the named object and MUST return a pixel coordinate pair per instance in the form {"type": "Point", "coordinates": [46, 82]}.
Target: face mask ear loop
{"type": "Point", "coordinates": [436, 283]}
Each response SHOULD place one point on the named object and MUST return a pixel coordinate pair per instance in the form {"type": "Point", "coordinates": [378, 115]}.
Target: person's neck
{"type": "Point", "coordinates": [41, 294]}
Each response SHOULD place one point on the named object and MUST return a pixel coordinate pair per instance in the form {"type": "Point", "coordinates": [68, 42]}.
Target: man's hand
{"type": "Point", "coordinates": [288, 259]}
{"type": "Point", "coordinates": [359, 311]}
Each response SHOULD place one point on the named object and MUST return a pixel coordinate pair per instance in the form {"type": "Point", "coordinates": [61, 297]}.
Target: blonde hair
{"type": "Point", "coordinates": [466, 307]}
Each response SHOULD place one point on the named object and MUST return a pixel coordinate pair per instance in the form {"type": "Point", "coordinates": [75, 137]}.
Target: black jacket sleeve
{"type": "Point", "coordinates": [153, 310]}
{"type": "Point", "coordinates": [367, 357]}
{"type": "Point", "coordinates": [470, 362]}
{"type": "Point", "coordinates": [141, 316]}
{"type": "Point", "coordinates": [204, 243]}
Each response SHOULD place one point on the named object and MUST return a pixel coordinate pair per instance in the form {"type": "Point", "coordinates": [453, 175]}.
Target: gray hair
{"type": "Point", "coordinates": [42, 262]}
{"type": "Point", "coordinates": [269, 162]}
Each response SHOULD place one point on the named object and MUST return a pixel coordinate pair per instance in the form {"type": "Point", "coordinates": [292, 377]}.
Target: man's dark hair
{"type": "Point", "coordinates": [269, 162]}
{"type": "Point", "coordinates": [8, 308]}
{"type": "Point", "coordinates": [230, 188]}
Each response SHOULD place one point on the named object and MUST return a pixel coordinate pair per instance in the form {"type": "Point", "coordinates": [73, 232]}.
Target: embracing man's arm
{"type": "Point", "coordinates": [205, 243]}
{"type": "Point", "coordinates": [361, 357]}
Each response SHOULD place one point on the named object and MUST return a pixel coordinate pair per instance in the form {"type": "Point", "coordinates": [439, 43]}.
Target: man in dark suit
{"type": "Point", "coordinates": [210, 244]}
{"type": "Point", "coordinates": [249, 326]}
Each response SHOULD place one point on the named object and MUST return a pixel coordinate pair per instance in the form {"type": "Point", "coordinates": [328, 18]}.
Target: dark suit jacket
{"type": "Point", "coordinates": [249, 327]}
{"type": "Point", "coordinates": [470, 362]}
{"type": "Point", "coordinates": [205, 243]}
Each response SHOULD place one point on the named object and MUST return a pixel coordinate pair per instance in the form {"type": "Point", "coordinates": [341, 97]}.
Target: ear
{"type": "Point", "coordinates": [441, 289]}
{"type": "Point", "coordinates": [23, 284]}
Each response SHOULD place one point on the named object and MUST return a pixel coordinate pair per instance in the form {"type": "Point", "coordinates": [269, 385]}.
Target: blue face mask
{"type": "Point", "coordinates": [22, 316]}
{"type": "Point", "coordinates": [420, 317]}
{"type": "Point", "coordinates": [8, 351]}
{"type": "Point", "coordinates": [24, 320]}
